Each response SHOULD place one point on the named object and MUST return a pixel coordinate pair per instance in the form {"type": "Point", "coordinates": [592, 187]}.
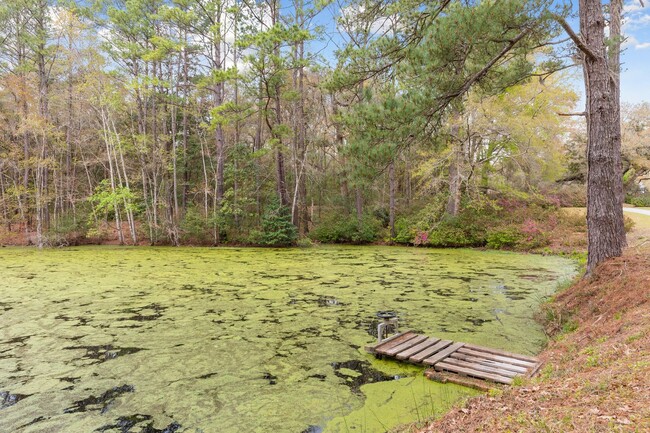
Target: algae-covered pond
{"type": "Point", "coordinates": [227, 340]}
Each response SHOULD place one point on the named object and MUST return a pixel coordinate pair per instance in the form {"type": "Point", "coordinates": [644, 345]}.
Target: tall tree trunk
{"type": "Point", "coordinates": [455, 170]}
{"type": "Point", "coordinates": [606, 235]}
{"type": "Point", "coordinates": [281, 176]}
{"type": "Point", "coordinates": [614, 44]}
{"type": "Point", "coordinates": [219, 135]}
{"type": "Point", "coordinates": [42, 211]}
{"type": "Point", "coordinates": [186, 89]}
{"type": "Point", "coordinates": [391, 201]}
{"type": "Point", "coordinates": [358, 200]}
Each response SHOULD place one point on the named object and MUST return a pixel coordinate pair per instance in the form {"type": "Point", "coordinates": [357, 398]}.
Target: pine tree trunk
{"type": "Point", "coordinates": [391, 206]}
{"type": "Point", "coordinates": [606, 235]}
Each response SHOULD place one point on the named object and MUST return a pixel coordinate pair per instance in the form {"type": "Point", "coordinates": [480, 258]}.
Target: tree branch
{"type": "Point", "coordinates": [575, 37]}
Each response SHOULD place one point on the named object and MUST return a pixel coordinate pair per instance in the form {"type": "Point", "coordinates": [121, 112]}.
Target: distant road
{"type": "Point", "coordinates": [635, 210]}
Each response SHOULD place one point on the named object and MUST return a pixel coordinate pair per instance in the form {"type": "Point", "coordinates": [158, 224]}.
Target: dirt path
{"type": "Point", "coordinates": [635, 210]}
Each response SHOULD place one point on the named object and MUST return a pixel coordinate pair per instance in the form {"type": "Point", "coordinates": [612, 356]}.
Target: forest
{"type": "Point", "coordinates": [209, 122]}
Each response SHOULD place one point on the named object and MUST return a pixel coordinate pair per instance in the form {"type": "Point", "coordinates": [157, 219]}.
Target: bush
{"type": "Point", "coordinates": [337, 229]}
{"type": "Point", "coordinates": [452, 234]}
{"type": "Point", "coordinates": [277, 229]}
{"type": "Point", "coordinates": [503, 238]}
{"type": "Point", "coordinates": [194, 226]}
{"type": "Point", "coordinates": [405, 233]}
{"type": "Point", "coordinates": [66, 232]}
{"type": "Point", "coordinates": [641, 200]}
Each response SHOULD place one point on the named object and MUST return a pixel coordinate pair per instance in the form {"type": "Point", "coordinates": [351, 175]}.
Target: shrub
{"type": "Point", "coordinates": [336, 229]}
{"type": "Point", "coordinates": [503, 238]}
{"type": "Point", "coordinates": [641, 200]}
{"type": "Point", "coordinates": [67, 231]}
{"type": "Point", "coordinates": [404, 232]}
{"type": "Point", "coordinates": [277, 229]}
{"type": "Point", "coordinates": [194, 226]}
{"type": "Point", "coordinates": [450, 234]}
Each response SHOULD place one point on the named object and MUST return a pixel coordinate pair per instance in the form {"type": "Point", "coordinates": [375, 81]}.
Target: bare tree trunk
{"type": "Point", "coordinates": [124, 174]}
{"type": "Point", "coordinates": [615, 35]}
{"type": "Point", "coordinates": [112, 174]}
{"type": "Point", "coordinates": [42, 211]}
{"type": "Point", "coordinates": [605, 222]}
{"type": "Point", "coordinates": [281, 175]}
{"type": "Point", "coordinates": [391, 201]}
{"type": "Point", "coordinates": [235, 185]}
{"type": "Point", "coordinates": [359, 204]}
{"type": "Point", "coordinates": [455, 171]}
{"type": "Point", "coordinates": [186, 84]}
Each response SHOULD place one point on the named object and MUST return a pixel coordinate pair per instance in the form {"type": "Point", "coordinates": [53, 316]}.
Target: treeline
{"type": "Point", "coordinates": [220, 121]}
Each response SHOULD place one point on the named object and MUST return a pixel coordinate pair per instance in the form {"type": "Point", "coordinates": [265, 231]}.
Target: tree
{"type": "Point", "coordinates": [605, 223]}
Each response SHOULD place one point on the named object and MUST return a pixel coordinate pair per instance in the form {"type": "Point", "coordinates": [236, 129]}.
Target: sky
{"type": "Point", "coordinates": [635, 57]}
{"type": "Point", "coordinates": [635, 74]}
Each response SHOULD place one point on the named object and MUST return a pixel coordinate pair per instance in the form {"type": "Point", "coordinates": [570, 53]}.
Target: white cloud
{"type": "Point", "coordinates": [642, 46]}
{"type": "Point", "coordinates": [635, 16]}
{"type": "Point", "coordinates": [632, 6]}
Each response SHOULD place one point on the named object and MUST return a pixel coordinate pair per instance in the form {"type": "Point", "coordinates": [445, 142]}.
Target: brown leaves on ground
{"type": "Point", "coordinates": [596, 378]}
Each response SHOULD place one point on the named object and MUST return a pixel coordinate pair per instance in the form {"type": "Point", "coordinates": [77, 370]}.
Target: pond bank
{"type": "Point", "coordinates": [597, 365]}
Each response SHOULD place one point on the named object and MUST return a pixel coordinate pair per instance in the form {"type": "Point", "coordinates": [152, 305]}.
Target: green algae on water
{"type": "Point", "coordinates": [229, 340]}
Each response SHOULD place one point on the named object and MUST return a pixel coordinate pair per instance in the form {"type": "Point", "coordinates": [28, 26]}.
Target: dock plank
{"type": "Point", "coordinates": [489, 362]}
{"type": "Point", "coordinates": [498, 358]}
{"type": "Point", "coordinates": [432, 360]}
{"type": "Point", "coordinates": [456, 358]}
{"type": "Point", "coordinates": [474, 373]}
{"type": "Point", "coordinates": [401, 347]}
{"type": "Point", "coordinates": [419, 357]}
{"type": "Point", "coordinates": [502, 353]}
{"type": "Point", "coordinates": [417, 348]}
{"type": "Point", "coordinates": [385, 345]}
{"type": "Point", "coordinates": [481, 367]}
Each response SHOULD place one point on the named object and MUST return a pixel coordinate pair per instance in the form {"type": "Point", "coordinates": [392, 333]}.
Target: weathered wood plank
{"type": "Point", "coordinates": [474, 373]}
{"type": "Point", "coordinates": [432, 360]}
{"type": "Point", "coordinates": [481, 367]}
{"type": "Point", "coordinates": [417, 349]}
{"type": "Point", "coordinates": [471, 382]}
{"type": "Point", "coordinates": [419, 357]}
{"type": "Point", "coordinates": [395, 341]}
{"type": "Point", "coordinates": [534, 370]}
{"type": "Point", "coordinates": [465, 350]}
{"type": "Point", "coordinates": [400, 347]}
{"type": "Point", "coordinates": [502, 353]}
{"type": "Point", "coordinates": [372, 348]}
{"type": "Point", "coordinates": [489, 362]}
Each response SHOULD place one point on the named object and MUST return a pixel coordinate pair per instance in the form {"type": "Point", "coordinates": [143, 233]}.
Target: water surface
{"type": "Point", "coordinates": [227, 340]}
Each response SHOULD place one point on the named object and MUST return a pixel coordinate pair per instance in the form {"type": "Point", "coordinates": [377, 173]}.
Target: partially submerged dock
{"type": "Point", "coordinates": [458, 358]}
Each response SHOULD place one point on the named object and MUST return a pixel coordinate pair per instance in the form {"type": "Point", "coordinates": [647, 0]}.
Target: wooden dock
{"type": "Point", "coordinates": [459, 358]}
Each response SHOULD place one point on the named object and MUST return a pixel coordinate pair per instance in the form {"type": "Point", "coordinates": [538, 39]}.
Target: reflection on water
{"type": "Point", "coordinates": [258, 340]}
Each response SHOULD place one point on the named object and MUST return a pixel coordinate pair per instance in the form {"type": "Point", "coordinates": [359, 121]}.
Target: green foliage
{"type": "Point", "coordinates": [194, 226]}
{"type": "Point", "coordinates": [336, 229]}
{"type": "Point", "coordinates": [277, 229]}
{"type": "Point", "coordinates": [452, 232]}
{"type": "Point", "coordinates": [404, 231]}
{"type": "Point", "coordinates": [107, 199]}
{"type": "Point", "coordinates": [67, 231]}
{"type": "Point", "coordinates": [639, 200]}
{"type": "Point", "coordinates": [503, 238]}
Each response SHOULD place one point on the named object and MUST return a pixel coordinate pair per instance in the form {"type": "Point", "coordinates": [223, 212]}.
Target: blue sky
{"type": "Point", "coordinates": [635, 73]}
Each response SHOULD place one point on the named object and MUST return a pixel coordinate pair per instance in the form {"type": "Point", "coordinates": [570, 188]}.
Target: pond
{"type": "Point", "coordinates": [224, 340]}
